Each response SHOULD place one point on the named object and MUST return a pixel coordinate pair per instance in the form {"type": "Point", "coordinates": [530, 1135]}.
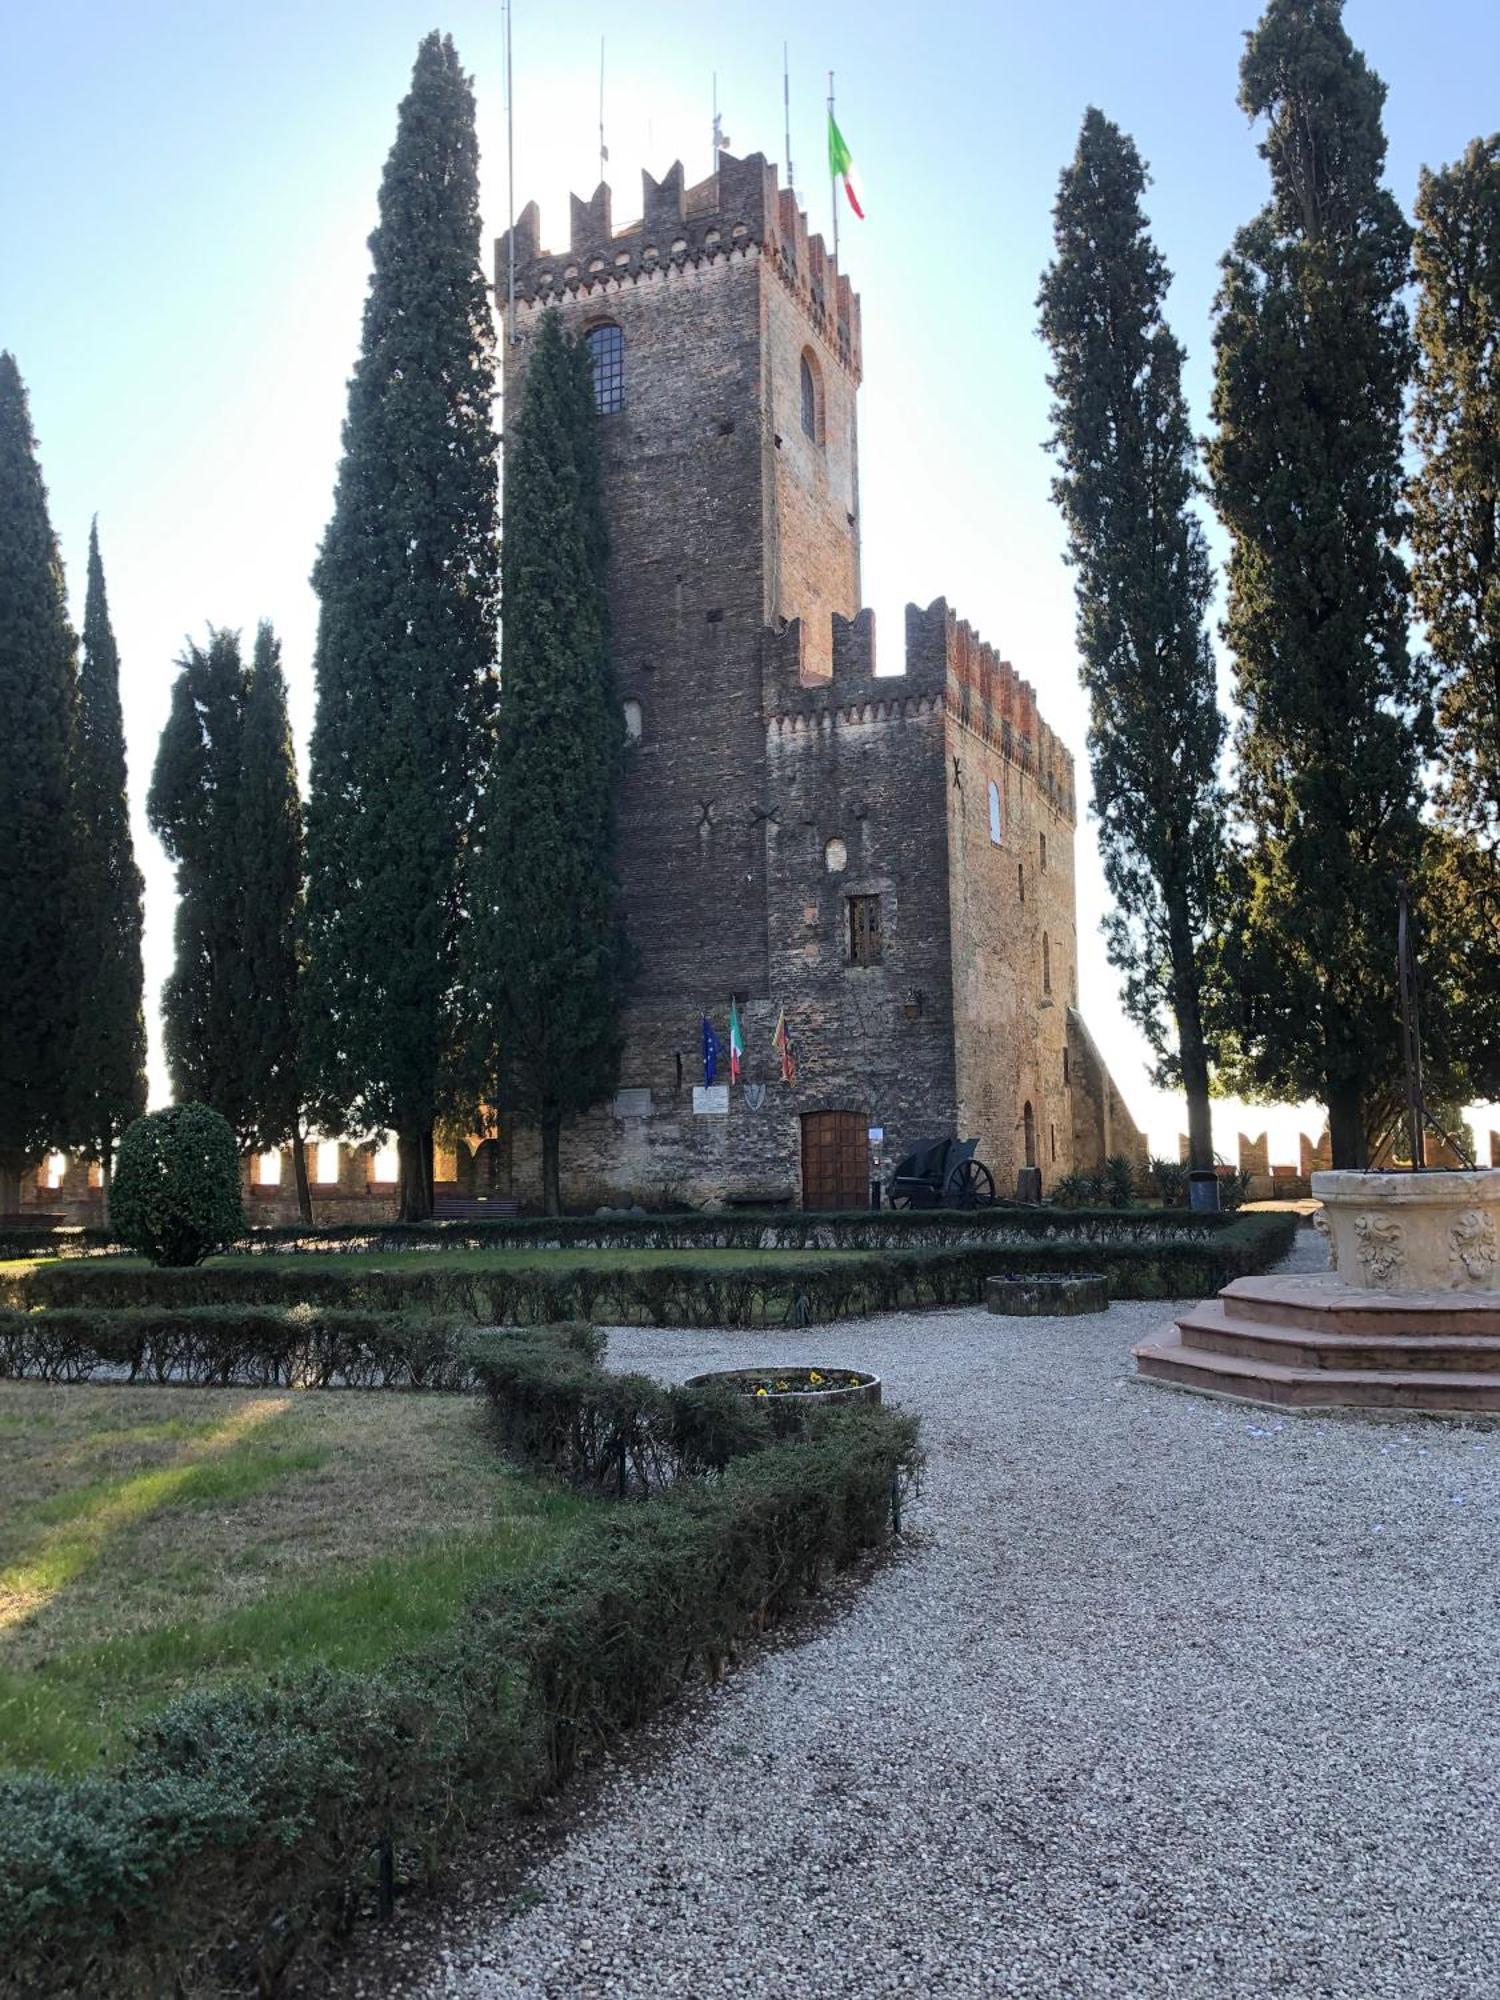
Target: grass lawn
{"type": "Point", "coordinates": [529, 1257]}
{"type": "Point", "coordinates": [152, 1540]}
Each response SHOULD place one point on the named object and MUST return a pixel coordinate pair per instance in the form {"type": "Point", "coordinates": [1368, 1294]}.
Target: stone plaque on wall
{"type": "Point", "coordinates": [711, 1100]}
{"type": "Point", "coordinates": [632, 1104]}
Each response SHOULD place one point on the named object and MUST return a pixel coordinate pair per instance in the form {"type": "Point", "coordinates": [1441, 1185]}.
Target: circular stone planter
{"type": "Point", "coordinates": [794, 1387]}
{"type": "Point", "coordinates": [1037, 1298]}
{"type": "Point", "coordinates": [1427, 1232]}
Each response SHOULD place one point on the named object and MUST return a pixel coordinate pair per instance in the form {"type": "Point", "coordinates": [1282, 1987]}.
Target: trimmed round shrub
{"type": "Point", "coordinates": [176, 1194]}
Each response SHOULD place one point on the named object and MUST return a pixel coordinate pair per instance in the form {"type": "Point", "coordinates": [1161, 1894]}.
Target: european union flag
{"type": "Point", "coordinates": [710, 1051]}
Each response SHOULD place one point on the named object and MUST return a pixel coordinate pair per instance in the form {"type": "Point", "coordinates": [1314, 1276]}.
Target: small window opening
{"type": "Point", "coordinates": [1067, 1075]}
{"type": "Point", "coordinates": [633, 722]}
{"type": "Point", "coordinates": [1044, 853]}
{"type": "Point", "coordinates": [606, 345]}
{"type": "Point", "coordinates": [864, 930]}
{"type": "Point", "coordinates": [995, 826]}
{"type": "Point", "coordinates": [812, 398]}
{"type": "Point", "coordinates": [50, 1174]}
{"type": "Point", "coordinates": [1021, 880]}
{"type": "Point", "coordinates": [1052, 1137]}
{"type": "Point", "coordinates": [1046, 963]}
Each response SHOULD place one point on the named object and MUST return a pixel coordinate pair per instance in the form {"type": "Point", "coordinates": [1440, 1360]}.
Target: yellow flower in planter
{"type": "Point", "coordinates": [814, 1377]}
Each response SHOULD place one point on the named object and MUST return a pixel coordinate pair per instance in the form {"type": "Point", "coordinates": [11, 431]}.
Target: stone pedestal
{"type": "Point", "coordinates": [1396, 1233]}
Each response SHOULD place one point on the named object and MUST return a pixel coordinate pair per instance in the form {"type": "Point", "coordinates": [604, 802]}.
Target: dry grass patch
{"type": "Point", "coordinates": [153, 1538]}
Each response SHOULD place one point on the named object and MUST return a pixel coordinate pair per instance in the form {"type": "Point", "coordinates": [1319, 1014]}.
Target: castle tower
{"type": "Point", "coordinates": [727, 360]}
{"type": "Point", "coordinates": [887, 858]}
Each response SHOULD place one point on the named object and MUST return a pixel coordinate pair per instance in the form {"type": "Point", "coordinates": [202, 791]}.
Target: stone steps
{"type": "Point", "coordinates": [1215, 1329]}
{"type": "Point", "coordinates": [1311, 1343]}
{"type": "Point", "coordinates": [1323, 1302]}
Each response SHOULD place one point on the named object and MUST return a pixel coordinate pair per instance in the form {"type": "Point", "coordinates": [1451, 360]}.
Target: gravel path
{"type": "Point", "coordinates": [1164, 1698]}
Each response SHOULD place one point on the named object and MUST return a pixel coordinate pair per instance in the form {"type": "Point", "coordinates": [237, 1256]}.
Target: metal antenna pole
{"type": "Point", "coordinates": [510, 188]}
{"type": "Point", "coordinates": [1411, 1031]}
{"type": "Point", "coordinates": [603, 149]}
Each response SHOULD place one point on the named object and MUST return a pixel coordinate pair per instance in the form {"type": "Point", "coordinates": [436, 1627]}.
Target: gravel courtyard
{"type": "Point", "coordinates": [1165, 1697]}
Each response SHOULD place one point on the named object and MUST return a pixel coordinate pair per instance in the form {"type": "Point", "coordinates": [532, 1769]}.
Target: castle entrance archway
{"type": "Point", "coordinates": [835, 1160]}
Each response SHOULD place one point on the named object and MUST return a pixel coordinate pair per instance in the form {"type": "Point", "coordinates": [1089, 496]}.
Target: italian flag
{"type": "Point", "coordinates": [736, 1043]}
{"type": "Point", "coordinates": [841, 166]}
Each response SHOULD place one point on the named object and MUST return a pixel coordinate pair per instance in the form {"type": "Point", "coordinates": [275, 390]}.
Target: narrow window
{"type": "Point", "coordinates": [1067, 1077]}
{"type": "Point", "coordinates": [1046, 963]}
{"type": "Point", "coordinates": [1052, 1136]}
{"type": "Point", "coordinates": [995, 828]}
{"type": "Point", "coordinates": [1028, 1133]}
{"type": "Point", "coordinates": [1021, 880]}
{"type": "Point", "coordinates": [606, 345]}
{"type": "Point", "coordinates": [812, 398]}
{"type": "Point", "coordinates": [1044, 853]}
{"type": "Point", "coordinates": [864, 930]}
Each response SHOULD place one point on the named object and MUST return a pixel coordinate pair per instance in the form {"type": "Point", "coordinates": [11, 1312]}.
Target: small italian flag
{"type": "Point", "coordinates": [841, 166]}
{"type": "Point", "coordinates": [736, 1043]}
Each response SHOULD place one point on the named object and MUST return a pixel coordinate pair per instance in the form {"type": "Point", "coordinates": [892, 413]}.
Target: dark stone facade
{"type": "Point", "coordinates": [775, 778]}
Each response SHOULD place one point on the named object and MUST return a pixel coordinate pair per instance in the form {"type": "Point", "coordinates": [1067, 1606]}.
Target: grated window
{"type": "Point", "coordinates": [606, 345]}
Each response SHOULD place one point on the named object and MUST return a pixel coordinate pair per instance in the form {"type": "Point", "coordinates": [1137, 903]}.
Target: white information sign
{"type": "Point", "coordinates": [711, 1100]}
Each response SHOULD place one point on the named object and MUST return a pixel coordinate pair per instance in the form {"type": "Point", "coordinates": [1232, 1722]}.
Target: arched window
{"type": "Point", "coordinates": [812, 398]}
{"type": "Point", "coordinates": [995, 827]}
{"type": "Point", "coordinates": [606, 345]}
{"type": "Point", "coordinates": [1046, 963]}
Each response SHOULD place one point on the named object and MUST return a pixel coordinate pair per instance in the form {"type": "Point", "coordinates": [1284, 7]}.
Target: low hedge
{"type": "Point", "coordinates": [250, 1826]}
{"type": "Point", "coordinates": [752, 1229]}
{"type": "Point", "coordinates": [558, 1410]}
{"type": "Point", "coordinates": [249, 1346]}
{"type": "Point", "coordinates": [675, 1292]}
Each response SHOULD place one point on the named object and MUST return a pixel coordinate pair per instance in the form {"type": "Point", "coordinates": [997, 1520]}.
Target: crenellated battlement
{"type": "Point", "coordinates": [740, 212]}
{"type": "Point", "coordinates": [946, 659]}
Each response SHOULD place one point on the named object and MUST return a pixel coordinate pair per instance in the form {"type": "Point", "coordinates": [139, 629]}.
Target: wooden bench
{"type": "Point", "coordinates": [461, 1208]}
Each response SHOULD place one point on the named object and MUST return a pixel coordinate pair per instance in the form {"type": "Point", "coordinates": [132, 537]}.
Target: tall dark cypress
{"type": "Point", "coordinates": [269, 839]}
{"type": "Point", "coordinates": [108, 1072]}
{"type": "Point", "coordinates": [548, 951]}
{"type": "Point", "coordinates": [193, 806]}
{"type": "Point", "coordinates": [1456, 586]}
{"type": "Point", "coordinates": [408, 582]}
{"type": "Point", "coordinates": [38, 702]}
{"type": "Point", "coordinates": [1128, 478]}
{"type": "Point", "coordinates": [1314, 354]}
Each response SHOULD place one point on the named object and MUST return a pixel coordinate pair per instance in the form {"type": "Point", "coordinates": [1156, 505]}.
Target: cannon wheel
{"type": "Point", "coordinates": [898, 1198]}
{"type": "Point", "coordinates": [970, 1186]}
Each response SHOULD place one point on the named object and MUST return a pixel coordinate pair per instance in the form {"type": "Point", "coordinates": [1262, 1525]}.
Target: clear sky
{"type": "Point", "coordinates": [188, 187]}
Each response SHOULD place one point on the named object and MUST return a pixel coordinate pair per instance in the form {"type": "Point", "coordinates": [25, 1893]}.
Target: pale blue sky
{"type": "Point", "coordinates": [187, 190]}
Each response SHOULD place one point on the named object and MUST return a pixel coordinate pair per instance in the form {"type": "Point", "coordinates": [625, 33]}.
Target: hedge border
{"type": "Point", "coordinates": [245, 1832]}
{"type": "Point", "coordinates": [678, 1291]}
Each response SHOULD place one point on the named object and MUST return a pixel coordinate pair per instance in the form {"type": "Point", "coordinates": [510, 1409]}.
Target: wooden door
{"type": "Point", "coordinates": [835, 1160]}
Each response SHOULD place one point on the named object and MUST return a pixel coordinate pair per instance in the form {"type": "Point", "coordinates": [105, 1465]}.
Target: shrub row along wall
{"type": "Point", "coordinates": [242, 1836]}
{"type": "Point", "coordinates": [674, 1292]}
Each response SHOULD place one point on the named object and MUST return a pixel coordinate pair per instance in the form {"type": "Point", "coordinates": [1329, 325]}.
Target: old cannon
{"type": "Point", "coordinates": [942, 1173]}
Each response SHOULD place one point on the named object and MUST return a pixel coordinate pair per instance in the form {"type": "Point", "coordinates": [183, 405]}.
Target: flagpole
{"type": "Point", "coordinates": [833, 184]}
{"type": "Point", "coordinates": [786, 106]}
{"type": "Point", "coordinates": [510, 189]}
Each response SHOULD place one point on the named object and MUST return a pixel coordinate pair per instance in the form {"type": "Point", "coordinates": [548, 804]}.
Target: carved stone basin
{"type": "Point", "coordinates": [1427, 1232]}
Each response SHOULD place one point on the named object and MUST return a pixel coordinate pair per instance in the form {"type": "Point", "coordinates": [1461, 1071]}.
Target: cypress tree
{"type": "Point", "coordinates": [108, 1079]}
{"type": "Point", "coordinates": [408, 583]}
{"type": "Point", "coordinates": [1128, 478]}
{"type": "Point", "coordinates": [193, 807]}
{"type": "Point", "coordinates": [269, 840]}
{"type": "Point", "coordinates": [1456, 584]}
{"type": "Point", "coordinates": [38, 701]}
{"type": "Point", "coordinates": [547, 943]}
{"type": "Point", "coordinates": [1314, 352]}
